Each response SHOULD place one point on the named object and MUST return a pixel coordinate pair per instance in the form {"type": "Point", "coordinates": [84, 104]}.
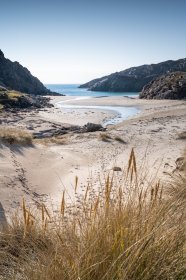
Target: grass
{"type": "Point", "coordinates": [128, 231]}
{"type": "Point", "coordinates": [119, 139]}
{"type": "Point", "coordinates": [104, 137]}
{"type": "Point", "coordinates": [14, 94]}
{"type": "Point", "coordinates": [58, 140]}
{"type": "Point", "coordinates": [15, 136]}
{"type": "Point", "coordinates": [107, 138]}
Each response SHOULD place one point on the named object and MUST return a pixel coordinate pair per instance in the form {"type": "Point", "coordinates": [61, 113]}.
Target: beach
{"type": "Point", "coordinates": [42, 171]}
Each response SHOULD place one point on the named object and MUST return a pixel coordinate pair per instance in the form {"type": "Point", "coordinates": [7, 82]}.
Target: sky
{"type": "Point", "coordinates": [74, 41]}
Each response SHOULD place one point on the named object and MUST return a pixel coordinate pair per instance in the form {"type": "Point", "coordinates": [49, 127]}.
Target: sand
{"type": "Point", "coordinates": [42, 171]}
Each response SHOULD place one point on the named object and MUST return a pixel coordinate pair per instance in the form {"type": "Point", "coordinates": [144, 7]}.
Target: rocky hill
{"type": "Point", "coordinates": [16, 77]}
{"type": "Point", "coordinates": [169, 86]}
{"type": "Point", "coordinates": [135, 78]}
{"type": "Point", "coordinates": [15, 100]}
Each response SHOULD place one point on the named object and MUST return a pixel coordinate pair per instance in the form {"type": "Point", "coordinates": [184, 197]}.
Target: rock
{"type": "Point", "coordinates": [169, 86]}
{"type": "Point", "coordinates": [14, 76]}
{"type": "Point", "coordinates": [92, 127]}
{"type": "Point", "coordinates": [135, 78]}
{"type": "Point", "coordinates": [116, 168]}
{"type": "Point", "coordinates": [16, 100]}
{"type": "Point", "coordinates": [53, 132]}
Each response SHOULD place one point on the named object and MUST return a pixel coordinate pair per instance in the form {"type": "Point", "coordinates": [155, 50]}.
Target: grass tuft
{"type": "Point", "coordinates": [15, 136]}
{"type": "Point", "coordinates": [129, 230]}
{"type": "Point", "coordinates": [105, 137]}
{"type": "Point", "coordinates": [119, 139]}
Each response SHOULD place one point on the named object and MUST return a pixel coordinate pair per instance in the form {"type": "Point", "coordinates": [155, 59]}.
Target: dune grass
{"type": "Point", "coordinates": [105, 137]}
{"type": "Point", "coordinates": [119, 139]}
{"type": "Point", "coordinates": [128, 231]}
{"type": "Point", "coordinates": [15, 136]}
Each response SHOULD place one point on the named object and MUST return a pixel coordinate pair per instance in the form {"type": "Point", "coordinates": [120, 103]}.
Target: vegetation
{"type": "Point", "coordinates": [119, 139]}
{"type": "Point", "coordinates": [106, 138]}
{"type": "Point", "coordinates": [15, 136]}
{"type": "Point", "coordinates": [58, 140]}
{"type": "Point", "coordinates": [131, 230]}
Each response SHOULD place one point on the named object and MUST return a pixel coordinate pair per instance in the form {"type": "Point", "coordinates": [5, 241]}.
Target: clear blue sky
{"type": "Point", "coordinates": [73, 41]}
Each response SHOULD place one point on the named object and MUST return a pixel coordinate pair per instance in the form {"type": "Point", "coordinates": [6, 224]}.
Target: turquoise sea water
{"type": "Point", "coordinates": [122, 112]}
{"type": "Point", "coordinates": [73, 90]}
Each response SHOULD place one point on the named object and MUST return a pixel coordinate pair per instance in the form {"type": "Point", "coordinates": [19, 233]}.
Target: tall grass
{"type": "Point", "coordinates": [127, 231]}
{"type": "Point", "coordinates": [15, 136]}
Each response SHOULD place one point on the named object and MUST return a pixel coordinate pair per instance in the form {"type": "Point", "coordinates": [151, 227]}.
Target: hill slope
{"type": "Point", "coordinates": [135, 78]}
{"type": "Point", "coordinates": [16, 77]}
{"type": "Point", "coordinates": [169, 86]}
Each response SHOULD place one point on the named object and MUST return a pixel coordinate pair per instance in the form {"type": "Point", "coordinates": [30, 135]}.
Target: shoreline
{"type": "Point", "coordinates": [116, 113]}
{"type": "Point", "coordinates": [47, 169]}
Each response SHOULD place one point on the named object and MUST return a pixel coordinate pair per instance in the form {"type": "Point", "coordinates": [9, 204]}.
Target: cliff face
{"type": "Point", "coordinates": [169, 86]}
{"type": "Point", "coordinates": [15, 76]}
{"type": "Point", "coordinates": [135, 78]}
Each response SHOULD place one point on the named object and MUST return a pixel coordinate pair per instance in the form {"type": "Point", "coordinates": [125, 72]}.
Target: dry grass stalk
{"type": "Point", "coordinates": [76, 183]}
{"type": "Point", "coordinates": [63, 204]}
{"type": "Point", "coordinates": [123, 233]}
{"type": "Point", "coordinates": [104, 137]}
{"type": "Point", "coordinates": [119, 139]}
{"type": "Point", "coordinates": [132, 167]}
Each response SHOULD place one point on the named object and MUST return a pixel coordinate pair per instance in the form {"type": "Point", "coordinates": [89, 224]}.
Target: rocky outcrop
{"type": "Point", "coordinates": [16, 100]}
{"type": "Point", "coordinates": [14, 76]}
{"type": "Point", "coordinates": [89, 127]}
{"type": "Point", "coordinates": [169, 86]}
{"type": "Point", "coordinates": [135, 78]}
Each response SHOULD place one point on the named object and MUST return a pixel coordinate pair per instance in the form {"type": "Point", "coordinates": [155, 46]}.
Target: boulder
{"type": "Point", "coordinates": [92, 127]}
{"type": "Point", "coordinates": [169, 86]}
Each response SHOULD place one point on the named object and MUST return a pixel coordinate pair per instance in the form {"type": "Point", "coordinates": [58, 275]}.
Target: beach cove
{"type": "Point", "coordinates": [46, 169]}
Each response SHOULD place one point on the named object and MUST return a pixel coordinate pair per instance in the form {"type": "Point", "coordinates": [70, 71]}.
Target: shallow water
{"type": "Point", "coordinates": [121, 113]}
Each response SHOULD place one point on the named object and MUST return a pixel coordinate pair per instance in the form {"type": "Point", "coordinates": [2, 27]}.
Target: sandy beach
{"type": "Point", "coordinates": [42, 171]}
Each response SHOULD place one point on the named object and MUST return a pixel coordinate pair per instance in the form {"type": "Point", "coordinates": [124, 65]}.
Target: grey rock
{"type": "Point", "coordinates": [116, 168]}
{"type": "Point", "coordinates": [23, 101]}
{"type": "Point", "coordinates": [92, 127]}
{"type": "Point", "coordinates": [169, 86]}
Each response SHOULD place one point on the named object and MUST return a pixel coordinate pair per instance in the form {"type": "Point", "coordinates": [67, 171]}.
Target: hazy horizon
{"type": "Point", "coordinates": [73, 42]}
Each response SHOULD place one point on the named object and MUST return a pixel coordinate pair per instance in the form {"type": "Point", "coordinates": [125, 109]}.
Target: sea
{"type": "Point", "coordinates": [122, 112]}
{"type": "Point", "coordinates": [74, 90]}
